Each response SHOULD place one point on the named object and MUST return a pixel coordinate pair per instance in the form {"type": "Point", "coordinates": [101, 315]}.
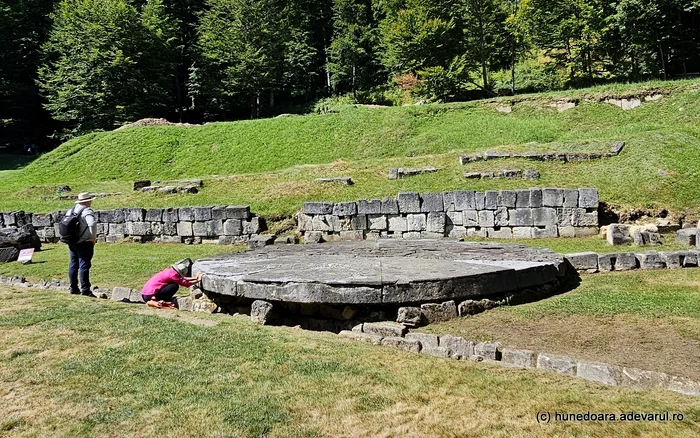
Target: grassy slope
{"type": "Point", "coordinates": [79, 368]}
{"type": "Point", "coordinates": [270, 164]}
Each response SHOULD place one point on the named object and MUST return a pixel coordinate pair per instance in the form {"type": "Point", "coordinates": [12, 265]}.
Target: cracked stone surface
{"type": "Point", "coordinates": [388, 272]}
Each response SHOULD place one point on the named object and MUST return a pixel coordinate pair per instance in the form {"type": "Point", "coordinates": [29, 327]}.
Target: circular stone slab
{"type": "Point", "coordinates": [389, 272]}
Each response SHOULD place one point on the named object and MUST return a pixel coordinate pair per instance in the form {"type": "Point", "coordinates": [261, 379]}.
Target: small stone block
{"type": "Point", "coordinates": [486, 219]}
{"type": "Point", "coordinates": [364, 337]}
{"type": "Point", "coordinates": [650, 260]}
{"type": "Point", "coordinates": [626, 261]}
{"type": "Point", "coordinates": [369, 207]}
{"type": "Point", "coordinates": [588, 198]}
{"type": "Point", "coordinates": [490, 199]}
{"type": "Point", "coordinates": [426, 340]}
{"type": "Point", "coordinates": [384, 329]}
{"type": "Point", "coordinates": [436, 352]}
{"type": "Point", "coordinates": [520, 358]}
{"type": "Point", "coordinates": [409, 202]}
{"type": "Point", "coordinates": [314, 208]}
{"type": "Point", "coordinates": [402, 343]}
{"type": "Point", "coordinates": [552, 197]}
{"type": "Point", "coordinates": [507, 198]}
{"type": "Point", "coordinates": [687, 236]}
{"type": "Point", "coordinates": [597, 372]}
{"type": "Point", "coordinates": [458, 347]}
{"type": "Point", "coordinates": [389, 206]}
{"type": "Point", "coordinates": [487, 350]}
{"type": "Point", "coordinates": [684, 386]}
{"type": "Point", "coordinates": [464, 200]}
{"type": "Point", "coordinates": [433, 313]}
{"type": "Point", "coordinates": [558, 364]}
{"type": "Point", "coordinates": [411, 316]}
{"type": "Point", "coordinates": [642, 379]}
{"type": "Point", "coordinates": [242, 212]}
{"type": "Point", "coordinates": [345, 209]}
{"type": "Point", "coordinates": [432, 202]}
{"type": "Point", "coordinates": [583, 261]}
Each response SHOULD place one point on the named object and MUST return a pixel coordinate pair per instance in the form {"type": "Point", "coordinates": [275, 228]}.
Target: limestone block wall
{"type": "Point", "coordinates": [219, 224]}
{"type": "Point", "coordinates": [527, 213]}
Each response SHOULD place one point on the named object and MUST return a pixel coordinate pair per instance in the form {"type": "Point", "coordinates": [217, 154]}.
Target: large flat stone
{"type": "Point", "coordinates": [379, 272]}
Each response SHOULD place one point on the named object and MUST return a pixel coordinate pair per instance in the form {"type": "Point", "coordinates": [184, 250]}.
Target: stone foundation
{"type": "Point", "coordinates": [505, 214]}
{"type": "Point", "coordinates": [222, 224]}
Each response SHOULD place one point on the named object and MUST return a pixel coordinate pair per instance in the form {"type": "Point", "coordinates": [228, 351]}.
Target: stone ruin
{"type": "Point", "coordinates": [337, 286]}
{"type": "Point", "coordinates": [222, 225]}
{"type": "Point", "coordinates": [505, 214]}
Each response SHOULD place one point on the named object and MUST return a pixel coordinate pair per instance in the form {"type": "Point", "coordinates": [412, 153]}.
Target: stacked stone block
{"type": "Point", "coordinates": [218, 224]}
{"type": "Point", "coordinates": [625, 261]}
{"type": "Point", "coordinates": [528, 213]}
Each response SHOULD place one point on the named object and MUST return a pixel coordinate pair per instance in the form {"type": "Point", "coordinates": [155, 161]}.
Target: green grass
{"type": "Point", "coordinates": [71, 367]}
{"type": "Point", "coordinates": [271, 164]}
{"type": "Point", "coordinates": [654, 294]}
{"type": "Point", "coordinates": [118, 264]}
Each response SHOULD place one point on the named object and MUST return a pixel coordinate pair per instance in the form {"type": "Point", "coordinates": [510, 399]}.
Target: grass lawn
{"type": "Point", "coordinates": [644, 319]}
{"type": "Point", "coordinates": [114, 264]}
{"type": "Point", "coordinates": [88, 368]}
{"type": "Point", "coordinates": [271, 164]}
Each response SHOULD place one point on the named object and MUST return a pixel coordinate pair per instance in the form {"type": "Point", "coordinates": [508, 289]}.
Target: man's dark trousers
{"type": "Point", "coordinates": [79, 266]}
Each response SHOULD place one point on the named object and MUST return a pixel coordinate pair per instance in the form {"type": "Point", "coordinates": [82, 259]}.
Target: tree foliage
{"type": "Point", "coordinates": [107, 63]}
{"type": "Point", "coordinates": [96, 64]}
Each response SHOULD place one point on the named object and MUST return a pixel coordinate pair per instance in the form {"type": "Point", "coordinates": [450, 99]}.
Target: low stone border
{"type": "Point", "coordinates": [346, 180]}
{"type": "Point", "coordinates": [389, 334]}
{"type": "Point", "coordinates": [530, 174]}
{"type": "Point", "coordinates": [400, 172]}
{"type": "Point", "coordinates": [566, 157]}
{"type": "Point", "coordinates": [592, 262]}
{"type": "Point", "coordinates": [195, 302]}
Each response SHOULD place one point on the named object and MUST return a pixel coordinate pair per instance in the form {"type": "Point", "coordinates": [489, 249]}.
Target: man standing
{"type": "Point", "coordinates": [82, 250]}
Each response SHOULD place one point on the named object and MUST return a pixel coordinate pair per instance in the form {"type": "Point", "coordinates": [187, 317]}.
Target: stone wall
{"type": "Point", "coordinates": [528, 213]}
{"type": "Point", "coordinates": [222, 224]}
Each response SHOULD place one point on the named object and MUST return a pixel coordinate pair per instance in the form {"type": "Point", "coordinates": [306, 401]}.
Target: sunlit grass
{"type": "Point", "coordinates": [79, 368]}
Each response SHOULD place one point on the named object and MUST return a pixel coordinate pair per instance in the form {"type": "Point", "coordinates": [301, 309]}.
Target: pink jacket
{"type": "Point", "coordinates": [162, 279]}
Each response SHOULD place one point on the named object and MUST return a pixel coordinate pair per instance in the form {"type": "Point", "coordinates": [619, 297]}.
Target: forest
{"type": "Point", "coordinates": [72, 67]}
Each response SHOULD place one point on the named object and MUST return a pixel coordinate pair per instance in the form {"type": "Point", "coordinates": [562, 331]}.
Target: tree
{"type": "Point", "coordinates": [106, 63]}
{"type": "Point", "coordinates": [242, 46]}
{"type": "Point", "coordinates": [486, 37]}
{"type": "Point", "coordinates": [353, 62]}
{"type": "Point", "coordinates": [414, 41]}
{"type": "Point", "coordinates": [24, 26]}
{"type": "Point", "coordinates": [569, 31]}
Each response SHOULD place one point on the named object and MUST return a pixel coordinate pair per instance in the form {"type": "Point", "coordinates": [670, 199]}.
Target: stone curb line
{"type": "Point", "coordinates": [195, 302]}
{"type": "Point", "coordinates": [592, 262]}
{"type": "Point", "coordinates": [389, 334]}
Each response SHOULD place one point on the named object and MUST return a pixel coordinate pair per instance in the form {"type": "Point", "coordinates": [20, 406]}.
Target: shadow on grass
{"type": "Point", "coordinates": [15, 162]}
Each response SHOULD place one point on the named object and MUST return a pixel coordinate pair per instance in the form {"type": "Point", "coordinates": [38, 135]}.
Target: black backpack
{"type": "Point", "coordinates": [69, 226]}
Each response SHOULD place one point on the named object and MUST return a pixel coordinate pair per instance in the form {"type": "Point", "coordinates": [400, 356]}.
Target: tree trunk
{"type": "Point", "coordinates": [663, 62]}
{"type": "Point", "coordinates": [354, 91]}
{"type": "Point", "coordinates": [482, 43]}
{"type": "Point", "coordinates": [178, 94]}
